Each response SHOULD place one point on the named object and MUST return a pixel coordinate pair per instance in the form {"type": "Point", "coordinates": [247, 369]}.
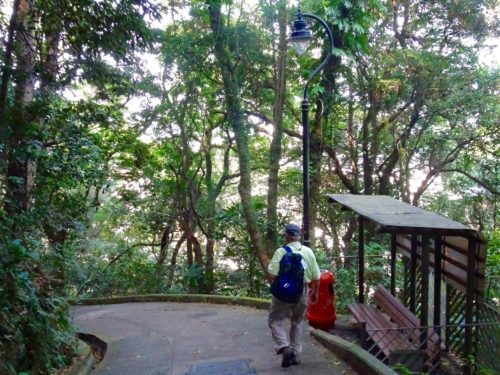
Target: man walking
{"type": "Point", "coordinates": [288, 343]}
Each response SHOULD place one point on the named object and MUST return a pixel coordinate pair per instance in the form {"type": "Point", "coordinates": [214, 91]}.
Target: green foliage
{"type": "Point", "coordinates": [133, 274]}
{"type": "Point", "coordinates": [402, 369]}
{"type": "Point", "coordinates": [55, 156]}
{"type": "Point", "coordinates": [36, 334]}
{"type": "Point", "coordinates": [114, 184]}
{"type": "Point", "coordinates": [487, 371]}
{"type": "Point", "coordinates": [96, 28]}
{"type": "Point", "coordinates": [241, 275]}
{"type": "Point", "coordinates": [345, 291]}
{"type": "Point", "coordinates": [493, 268]}
{"type": "Point", "coordinates": [376, 272]}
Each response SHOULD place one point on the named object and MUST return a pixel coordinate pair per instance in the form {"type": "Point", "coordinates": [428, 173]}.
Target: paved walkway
{"type": "Point", "coordinates": [194, 339]}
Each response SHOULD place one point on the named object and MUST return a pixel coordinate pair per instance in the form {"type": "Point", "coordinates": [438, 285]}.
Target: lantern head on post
{"type": "Point", "coordinates": [300, 37]}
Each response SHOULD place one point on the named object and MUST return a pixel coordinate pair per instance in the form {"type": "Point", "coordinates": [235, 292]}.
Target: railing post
{"type": "Point", "coordinates": [413, 273]}
{"type": "Point", "coordinates": [393, 263]}
{"type": "Point", "coordinates": [448, 330]}
{"type": "Point", "coordinates": [361, 260]}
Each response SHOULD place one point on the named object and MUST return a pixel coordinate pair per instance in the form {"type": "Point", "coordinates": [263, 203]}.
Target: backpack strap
{"type": "Point", "coordinates": [288, 249]}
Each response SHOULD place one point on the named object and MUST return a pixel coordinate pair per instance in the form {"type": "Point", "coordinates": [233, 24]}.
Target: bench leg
{"type": "Point", "coordinates": [364, 336]}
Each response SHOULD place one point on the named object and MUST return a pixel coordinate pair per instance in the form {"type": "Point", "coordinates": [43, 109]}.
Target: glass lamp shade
{"type": "Point", "coordinates": [300, 36]}
{"type": "Point", "coordinates": [300, 45]}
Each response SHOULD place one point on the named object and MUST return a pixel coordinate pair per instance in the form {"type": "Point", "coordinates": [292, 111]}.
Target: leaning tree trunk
{"type": "Point", "coordinates": [15, 140]}
{"type": "Point", "coordinates": [213, 191]}
{"type": "Point", "coordinates": [18, 174]}
{"type": "Point", "coordinates": [57, 233]}
{"type": "Point", "coordinates": [210, 215]}
{"type": "Point", "coordinates": [166, 239]}
{"type": "Point", "coordinates": [275, 149]}
{"type": "Point", "coordinates": [235, 118]}
{"type": "Point", "coordinates": [173, 261]}
{"type": "Point", "coordinates": [324, 108]}
{"type": "Point", "coordinates": [6, 75]}
{"type": "Point", "coordinates": [57, 237]}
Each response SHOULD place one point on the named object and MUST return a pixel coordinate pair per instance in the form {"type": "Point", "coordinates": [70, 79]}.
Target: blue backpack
{"type": "Point", "coordinates": [289, 284]}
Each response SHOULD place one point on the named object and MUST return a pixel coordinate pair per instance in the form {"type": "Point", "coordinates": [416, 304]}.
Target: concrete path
{"type": "Point", "coordinates": [194, 339]}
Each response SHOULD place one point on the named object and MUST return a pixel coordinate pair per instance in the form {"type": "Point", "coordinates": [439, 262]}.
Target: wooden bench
{"type": "Point", "coordinates": [404, 318]}
{"type": "Point", "coordinates": [378, 328]}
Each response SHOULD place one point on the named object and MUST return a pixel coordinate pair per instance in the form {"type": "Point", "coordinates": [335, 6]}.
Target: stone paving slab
{"type": "Point", "coordinates": [193, 339]}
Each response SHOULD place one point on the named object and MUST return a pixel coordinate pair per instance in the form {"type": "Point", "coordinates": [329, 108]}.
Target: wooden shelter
{"type": "Point", "coordinates": [429, 244]}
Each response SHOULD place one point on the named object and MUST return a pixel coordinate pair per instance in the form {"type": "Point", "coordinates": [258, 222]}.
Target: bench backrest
{"type": "Point", "coordinates": [405, 318]}
{"type": "Point", "coordinates": [395, 309]}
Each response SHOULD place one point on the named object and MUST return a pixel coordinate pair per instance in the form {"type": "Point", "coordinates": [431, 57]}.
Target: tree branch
{"type": "Point", "coordinates": [338, 170]}
{"type": "Point", "coordinates": [491, 189]}
{"type": "Point", "coordinates": [111, 262]}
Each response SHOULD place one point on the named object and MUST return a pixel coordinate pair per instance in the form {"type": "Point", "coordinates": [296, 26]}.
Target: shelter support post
{"type": "Point", "coordinates": [424, 301]}
{"type": "Point", "coordinates": [393, 263]}
{"type": "Point", "coordinates": [469, 303]}
{"type": "Point", "coordinates": [361, 265]}
{"type": "Point", "coordinates": [438, 244]}
{"type": "Point", "coordinates": [438, 248]}
{"type": "Point", "coordinates": [413, 274]}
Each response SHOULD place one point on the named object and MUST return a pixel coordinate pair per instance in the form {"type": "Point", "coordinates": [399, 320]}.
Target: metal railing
{"type": "Point", "coordinates": [492, 289]}
{"type": "Point", "coordinates": [487, 338]}
{"type": "Point", "coordinates": [423, 349]}
{"type": "Point", "coordinates": [486, 323]}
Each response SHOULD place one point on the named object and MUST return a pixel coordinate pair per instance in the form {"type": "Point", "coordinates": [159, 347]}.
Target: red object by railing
{"type": "Point", "coordinates": [322, 314]}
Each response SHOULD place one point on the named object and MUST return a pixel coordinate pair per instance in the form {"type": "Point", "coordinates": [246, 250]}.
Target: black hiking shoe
{"type": "Point", "coordinates": [295, 361]}
{"type": "Point", "coordinates": [289, 358]}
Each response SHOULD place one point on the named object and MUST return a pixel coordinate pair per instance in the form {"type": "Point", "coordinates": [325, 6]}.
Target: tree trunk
{"type": "Point", "coordinates": [198, 255]}
{"type": "Point", "coordinates": [275, 149]}
{"type": "Point", "coordinates": [166, 238]}
{"type": "Point", "coordinates": [56, 238]}
{"type": "Point", "coordinates": [210, 216]}
{"type": "Point", "coordinates": [189, 253]}
{"type": "Point", "coordinates": [387, 169]}
{"type": "Point", "coordinates": [347, 239]}
{"type": "Point", "coordinates": [213, 192]}
{"type": "Point", "coordinates": [316, 164]}
{"type": "Point", "coordinates": [366, 140]}
{"type": "Point", "coordinates": [235, 119]}
{"type": "Point", "coordinates": [173, 261]}
{"type": "Point", "coordinates": [50, 66]}
{"type": "Point", "coordinates": [352, 143]}
{"type": "Point", "coordinates": [324, 106]}
{"type": "Point", "coordinates": [18, 177]}
{"type": "Point", "coordinates": [7, 62]}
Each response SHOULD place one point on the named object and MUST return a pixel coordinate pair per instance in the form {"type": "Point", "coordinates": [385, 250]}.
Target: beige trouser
{"type": "Point", "coordinates": [279, 313]}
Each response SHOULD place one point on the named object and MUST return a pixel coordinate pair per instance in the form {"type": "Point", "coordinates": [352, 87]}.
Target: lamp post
{"type": "Point", "coordinates": [300, 38]}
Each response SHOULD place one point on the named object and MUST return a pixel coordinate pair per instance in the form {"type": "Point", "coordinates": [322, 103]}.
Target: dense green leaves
{"type": "Point", "coordinates": [144, 149]}
{"type": "Point", "coordinates": [56, 149]}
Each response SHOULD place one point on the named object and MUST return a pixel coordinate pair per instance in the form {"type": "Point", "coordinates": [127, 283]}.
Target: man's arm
{"type": "Point", "coordinates": [313, 296]}
{"type": "Point", "coordinates": [315, 276]}
{"type": "Point", "coordinates": [274, 266]}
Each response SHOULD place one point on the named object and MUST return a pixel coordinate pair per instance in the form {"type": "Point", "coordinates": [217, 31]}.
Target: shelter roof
{"type": "Point", "coordinates": [399, 217]}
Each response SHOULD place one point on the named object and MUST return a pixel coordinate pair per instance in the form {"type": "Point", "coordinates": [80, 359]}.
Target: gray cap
{"type": "Point", "coordinates": [293, 230]}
